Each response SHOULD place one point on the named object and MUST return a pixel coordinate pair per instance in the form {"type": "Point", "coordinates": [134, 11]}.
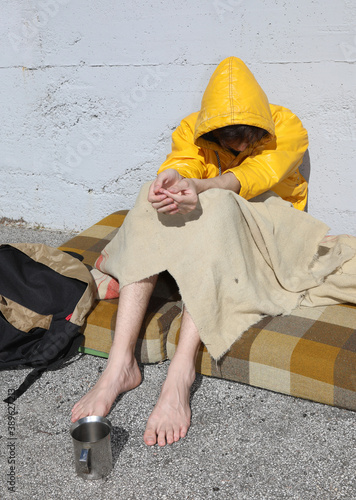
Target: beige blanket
{"type": "Point", "coordinates": [234, 260]}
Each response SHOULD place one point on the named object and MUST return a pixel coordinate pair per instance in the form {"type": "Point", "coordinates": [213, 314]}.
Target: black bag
{"type": "Point", "coordinates": [45, 295]}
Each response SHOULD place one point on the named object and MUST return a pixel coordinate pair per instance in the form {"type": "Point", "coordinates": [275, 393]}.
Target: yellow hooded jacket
{"type": "Point", "coordinates": [233, 97]}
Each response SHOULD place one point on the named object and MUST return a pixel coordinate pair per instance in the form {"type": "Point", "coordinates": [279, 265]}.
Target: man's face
{"type": "Point", "coordinates": [234, 146]}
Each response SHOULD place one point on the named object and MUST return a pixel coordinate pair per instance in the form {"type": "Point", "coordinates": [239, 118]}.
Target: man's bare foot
{"type": "Point", "coordinates": [170, 418]}
{"type": "Point", "coordinates": [114, 381]}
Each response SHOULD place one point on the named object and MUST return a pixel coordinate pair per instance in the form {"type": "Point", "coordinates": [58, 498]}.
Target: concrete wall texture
{"type": "Point", "coordinates": [91, 91]}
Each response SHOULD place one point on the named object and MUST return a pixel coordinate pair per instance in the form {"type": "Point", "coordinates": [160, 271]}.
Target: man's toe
{"type": "Point", "coordinates": [161, 440]}
{"type": "Point", "coordinates": [149, 437]}
{"type": "Point", "coordinates": [183, 432]}
{"type": "Point", "coordinates": [170, 437]}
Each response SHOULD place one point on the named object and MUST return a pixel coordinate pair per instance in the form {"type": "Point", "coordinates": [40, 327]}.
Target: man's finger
{"type": "Point", "coordinates": [162, 203]}
{"type": "Point", "coordinates": [172, 208]}
{"type": "Point", "coordinates": [157, 187]}
{"type": "Point", "coordinates": [156, 198]}
{"type": "Point", "coordinates": [175, 196]}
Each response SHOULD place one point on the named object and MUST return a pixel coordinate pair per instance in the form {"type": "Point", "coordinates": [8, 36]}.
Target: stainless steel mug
{"type": "Point", "coordinates": [92, 447]}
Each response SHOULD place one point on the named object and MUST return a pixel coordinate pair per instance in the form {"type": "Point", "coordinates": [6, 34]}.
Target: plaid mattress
{"type": "Point", "coordinates": [309, 354]}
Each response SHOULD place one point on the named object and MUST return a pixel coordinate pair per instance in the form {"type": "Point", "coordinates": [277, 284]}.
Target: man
{"type": "Point", "coordinates": [239, 142]}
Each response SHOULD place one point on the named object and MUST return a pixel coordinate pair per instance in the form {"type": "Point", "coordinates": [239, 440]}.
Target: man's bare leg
{"type": "Point", "coordinates": [170, 418]}
{"type": "Point", "coordinates": [122, 372]}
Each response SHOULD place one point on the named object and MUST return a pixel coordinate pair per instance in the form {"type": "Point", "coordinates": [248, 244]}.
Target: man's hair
{"type": "Point", "coordinates": [241, 133]}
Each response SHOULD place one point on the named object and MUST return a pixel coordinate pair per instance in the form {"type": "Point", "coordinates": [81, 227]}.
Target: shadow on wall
{"type": "Point", "coordinates": [305, 170]}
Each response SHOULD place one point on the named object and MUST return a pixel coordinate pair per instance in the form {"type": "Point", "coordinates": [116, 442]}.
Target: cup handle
{"type": "Point", "coordinates": [84, 461]}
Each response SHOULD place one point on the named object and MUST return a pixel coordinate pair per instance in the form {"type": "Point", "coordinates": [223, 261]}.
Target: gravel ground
{"type": "Point", "coordinates": [244, 442]}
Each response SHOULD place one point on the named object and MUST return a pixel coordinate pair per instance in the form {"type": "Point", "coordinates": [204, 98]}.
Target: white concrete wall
{"type": "Point", "coordinates": [91, 91]}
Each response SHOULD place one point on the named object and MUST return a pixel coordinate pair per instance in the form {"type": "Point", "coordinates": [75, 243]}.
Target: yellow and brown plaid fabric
{"type": "Point", "coordinates": [100, 324]}
{"type": "Point", "coordinates": [309, 354]}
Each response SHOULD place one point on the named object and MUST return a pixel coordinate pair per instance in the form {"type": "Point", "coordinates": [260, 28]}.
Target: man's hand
{"type": "Point", "coordinates": [159, 200]}
{"type": "Point", "coordinates": [184, 195]}
{"type": "Point", "coordinates": [170, 193]}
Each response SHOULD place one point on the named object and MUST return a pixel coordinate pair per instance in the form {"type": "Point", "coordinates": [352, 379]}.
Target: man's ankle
{"type": "Point", "coordinates": [184, 370]}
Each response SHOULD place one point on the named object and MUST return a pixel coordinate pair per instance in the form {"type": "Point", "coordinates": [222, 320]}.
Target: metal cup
{"type": "Point", "coordinates": [92, 448]}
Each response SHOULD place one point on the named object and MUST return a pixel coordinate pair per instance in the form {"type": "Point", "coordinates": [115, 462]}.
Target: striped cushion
{"type": "Point", "coordinates": [309, 354]}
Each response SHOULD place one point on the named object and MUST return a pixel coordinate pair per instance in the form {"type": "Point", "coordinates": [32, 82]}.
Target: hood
{"type": "Point", "coordinates": [232, 97]}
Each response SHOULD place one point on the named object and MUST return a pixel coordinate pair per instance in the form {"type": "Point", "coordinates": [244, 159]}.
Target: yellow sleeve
{"type": "Point", "coordinates": [277, 160]}
{"type": "Point", "coordinates": [187, 158]}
